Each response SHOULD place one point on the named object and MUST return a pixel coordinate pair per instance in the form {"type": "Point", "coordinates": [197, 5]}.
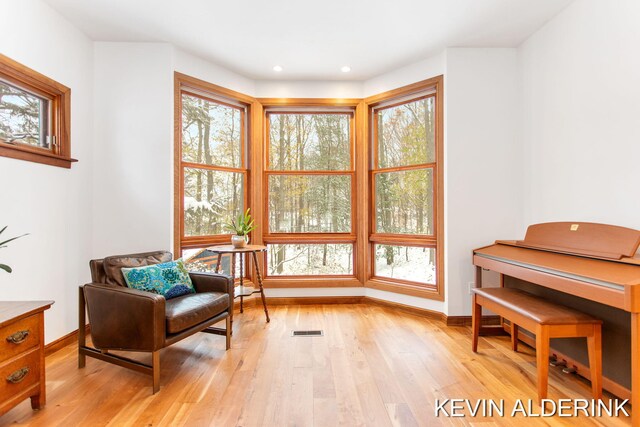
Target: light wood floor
{"type": "Point", "coordinates": [374, 366]}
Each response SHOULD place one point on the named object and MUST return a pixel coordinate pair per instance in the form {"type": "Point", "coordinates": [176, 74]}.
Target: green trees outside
{"type": "Point", "coordinates": [310, 177]}
{"type": "Point", "coordinates": [404, 196]}
{"type": "Point", "coordinates": [211, 136]}
{"type": "Point", "coordinates": [404, 199]}
{"type": "Point", "coordinates": [310, 184]}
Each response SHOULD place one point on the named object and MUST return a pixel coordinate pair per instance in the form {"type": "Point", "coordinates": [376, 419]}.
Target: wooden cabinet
{"type": "Point", "coordinates": [22, 353]}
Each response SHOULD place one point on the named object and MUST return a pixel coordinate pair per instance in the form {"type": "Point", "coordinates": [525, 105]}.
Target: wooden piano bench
{"type": "Point", "coordinates": [547, 320]}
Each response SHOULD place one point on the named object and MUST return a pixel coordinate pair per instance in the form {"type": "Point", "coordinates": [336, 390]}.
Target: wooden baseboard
{"type": "Point", "coordinates": [466, 320]}
{"type": "Point", "coordinates": [582, 370]}
{"type": "Point", "coordinates": [449, 320]}
{"type": "Point", "coordinates": [63, 341]}
{"type": "Point", "coordinates": [315, 300]}
{"type": "Point", "coordinates": [355, 300]}
{"type": "Point", "coordinates": [424, 312]}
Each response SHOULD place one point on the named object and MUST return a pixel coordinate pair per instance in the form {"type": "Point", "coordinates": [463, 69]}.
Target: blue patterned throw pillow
{"type": "Point", "coordinates": [169, 279]}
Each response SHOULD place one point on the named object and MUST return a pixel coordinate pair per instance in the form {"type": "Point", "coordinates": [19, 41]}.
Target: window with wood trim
{"type": "Point", "coordinates": [212, 171]}
{"type": "Point", "coordinates": [405, 158]}
{"type": "Point", "coordinates": [34, 116]}
{"type": "Point", "coordinates": [310, 192]}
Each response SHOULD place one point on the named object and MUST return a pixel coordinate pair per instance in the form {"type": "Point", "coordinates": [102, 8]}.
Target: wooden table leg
{"type": "Point", "coordinates": [39, 400]}
{"type": "Point", "coordinates": [218, 262]}
{"type": "Point", "coordinates": [241, 284]}
{"type": "Point", "coordinates": [264, 301]}
{"type": "Point", "coordinates": [233, 274]}
{"type": "Point", "coordinates": [635, 369]}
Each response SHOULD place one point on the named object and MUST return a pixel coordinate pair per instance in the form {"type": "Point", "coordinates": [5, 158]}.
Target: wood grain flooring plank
{"type": "Point", "coordinates": [374, 366]}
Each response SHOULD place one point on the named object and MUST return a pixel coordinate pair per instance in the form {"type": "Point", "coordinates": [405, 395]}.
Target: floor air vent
{"type": "Point", "coordinates": [306, 333]}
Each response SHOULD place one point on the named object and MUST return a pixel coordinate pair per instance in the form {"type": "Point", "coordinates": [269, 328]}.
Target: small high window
{"type": "Point", "coordinates": [34, 116]}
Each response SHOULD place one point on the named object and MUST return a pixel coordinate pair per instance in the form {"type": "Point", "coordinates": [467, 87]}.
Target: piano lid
{"type": "Point", "coordinates": [583, 238]}
{"type": "Point", "coordinates": [555, 245]}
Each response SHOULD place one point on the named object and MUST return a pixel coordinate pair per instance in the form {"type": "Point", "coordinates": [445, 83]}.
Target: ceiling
{"type": "Point", "coordinates": [312, 40]}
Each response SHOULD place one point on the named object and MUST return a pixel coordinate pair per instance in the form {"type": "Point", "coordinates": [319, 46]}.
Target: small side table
{"type": "Point", "coordinates": [243, 291]}
{"type": "Point", "coordinates": [22, 353]}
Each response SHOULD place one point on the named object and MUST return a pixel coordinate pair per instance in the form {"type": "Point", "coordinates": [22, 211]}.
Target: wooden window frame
{"type": "Point", "coordinates": [191, 86]}
{"type": "Point", "coordinates": [308, 104]}
{"type": "Point", "coordinates": [59, 97]}
{"type": "Point", "coordinates": [311, 238]}
{"type": "Point", "coordinates": [256, 144]}
{"type": "Point", "coordinates": [436, 240]}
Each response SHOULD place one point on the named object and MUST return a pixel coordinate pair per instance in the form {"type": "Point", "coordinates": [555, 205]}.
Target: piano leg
{"type": "Point", "coordinates": [635, 369]}
{"type": "Point", "coordinates": [476, 321]}
{"type": "Point", "coordinates": [542, 361]}
{"type": "Point", "coordinates": [485, 330]}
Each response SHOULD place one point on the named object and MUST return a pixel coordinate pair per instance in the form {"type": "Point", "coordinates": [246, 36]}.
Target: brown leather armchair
{"type": "Point", "coordinates": [127, 319]}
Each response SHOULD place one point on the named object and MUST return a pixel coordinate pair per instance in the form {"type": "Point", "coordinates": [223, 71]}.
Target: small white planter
{"type": "Point", "coordinates": [239, 241]}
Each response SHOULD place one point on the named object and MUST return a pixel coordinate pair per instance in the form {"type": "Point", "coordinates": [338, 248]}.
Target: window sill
{"type": "Point", "coordinates": [31, 155]}
{"type": "Point", "coordinates": [433, 292]}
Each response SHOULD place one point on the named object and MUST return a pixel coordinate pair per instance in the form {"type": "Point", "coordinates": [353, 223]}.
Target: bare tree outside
{"type": "Point", "coordinates": [211, 136]}
{"type": "Point", "coordinates": [310, 182]}
{"type": "Point", "coordinates": [310, 198]}
{"type": "Point", "coordinates": [404, 195]}
{"type": "Point", "coordinates": [24, 117]}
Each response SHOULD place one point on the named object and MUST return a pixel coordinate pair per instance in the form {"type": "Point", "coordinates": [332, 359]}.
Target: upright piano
{"type": "Point", "coordinates": [594, 267]}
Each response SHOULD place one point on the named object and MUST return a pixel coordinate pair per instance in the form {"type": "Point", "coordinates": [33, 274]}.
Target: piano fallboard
{"type": "Point", "coordinates": [607, 282]}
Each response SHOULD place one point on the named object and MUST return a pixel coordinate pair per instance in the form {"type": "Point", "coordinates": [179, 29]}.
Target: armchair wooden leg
{"type": "Point", "coordinates": [228, 334]}
{"type": "Point", "coordinates": [82, 340]}
{"type": "Point", "coordinates": [155, 363]}
{"type": "Point", "coordinates": [514, 336]}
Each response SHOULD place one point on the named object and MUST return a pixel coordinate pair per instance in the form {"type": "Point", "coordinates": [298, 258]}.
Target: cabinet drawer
{"type": "Point", "coordinates": [20, 374]}
{"type": "Point", "coordinates": [19, 337]}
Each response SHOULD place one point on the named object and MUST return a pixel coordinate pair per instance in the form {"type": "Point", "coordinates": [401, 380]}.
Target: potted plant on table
{"type": "Point", "coordinates": [241, 226]}
{"type": "Point", "coordinates": [4, 245]}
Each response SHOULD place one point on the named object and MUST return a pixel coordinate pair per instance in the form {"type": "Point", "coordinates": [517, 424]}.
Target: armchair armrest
{"type": "Point", "coordinates": [124, 318]}
{"type": "Point", "coordinates": [212, 282]}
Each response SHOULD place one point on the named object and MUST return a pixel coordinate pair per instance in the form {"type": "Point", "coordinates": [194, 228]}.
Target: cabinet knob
{"type": "Point", "coordinates": [18, 337]}
{"type": "Point", "coordinates": [18, 375]}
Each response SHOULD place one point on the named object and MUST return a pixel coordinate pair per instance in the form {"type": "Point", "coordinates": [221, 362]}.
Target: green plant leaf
{"type": "Point", "coordinates": [13, 238]}
{"type": "Point", "coordinates": [6, 268]}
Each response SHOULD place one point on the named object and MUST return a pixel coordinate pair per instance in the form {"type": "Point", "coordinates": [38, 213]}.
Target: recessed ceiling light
{"type": "Point", "coordinates": [277, 68]}
{"type": "Point", "coordinates": [345, 69]}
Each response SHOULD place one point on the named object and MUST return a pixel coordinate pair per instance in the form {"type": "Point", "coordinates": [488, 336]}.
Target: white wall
{"type": "Point", "coordinates": [581, 79]}
{"type": "Point", "coordinates": [133, 153]}
{"type": "Point", "coordinates": [196, 67]}
{"type": "Point", "coordinates": [300, 89]}
{"type": "Point", "coordinates": [133, 156]}
{"type": "Point", "coordinates": [483, 173]}
{"type": "Point", "coordinates": [52, 204]}
{"type": "Point", "coordinates": [412, 73]}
